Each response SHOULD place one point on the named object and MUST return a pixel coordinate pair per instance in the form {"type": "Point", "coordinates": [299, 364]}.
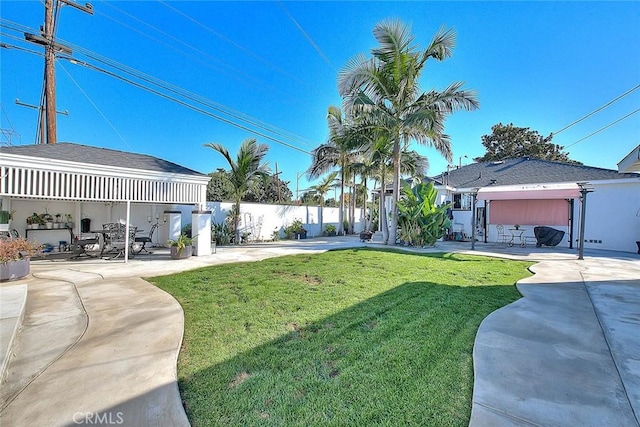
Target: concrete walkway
{"type": "Point", "coordinates": [99, 345]}
{"type": "Point", "coordinates": [567, 353]}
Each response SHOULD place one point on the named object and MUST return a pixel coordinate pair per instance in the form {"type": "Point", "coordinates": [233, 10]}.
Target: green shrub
{"type": "Point", "coordinates": [330, 230]}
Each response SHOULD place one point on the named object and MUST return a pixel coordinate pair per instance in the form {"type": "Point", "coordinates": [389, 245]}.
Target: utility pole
{"type": "Point", "coordinates": [41, 109]}
{"type": "Point", "coordinates": [50, 48]}
{"type": "Point", "coordinates": [298, 175]}
{"type": "Point", "coordinates": [49, 74]}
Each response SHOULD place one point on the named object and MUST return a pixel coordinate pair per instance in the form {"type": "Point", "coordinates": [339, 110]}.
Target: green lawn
{"type": "Point", "coordinates": [354, 337]}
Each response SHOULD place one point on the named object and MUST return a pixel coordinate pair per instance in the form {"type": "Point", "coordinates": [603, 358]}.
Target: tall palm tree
{"type": "Point", "coordinates": [412, 164]}
{"type": "Point", "coordinates": [247, 170]}
{"type": "Point", "coordinates": [322, 188]}
{"type": "Point", "coordinates": [335, 153]}
{"type": "Point", "coordinates": [388, 83]}
{"type": "Point", "coordinates": [364, 167]}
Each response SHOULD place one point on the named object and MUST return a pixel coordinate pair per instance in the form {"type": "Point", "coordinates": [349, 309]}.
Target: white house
{"type": "Point", "coordinates": [100, 185]}
{"type": "Point", "coordinates": [531, 192]}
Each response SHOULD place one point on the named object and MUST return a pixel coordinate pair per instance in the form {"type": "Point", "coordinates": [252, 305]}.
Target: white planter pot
{"type": "Point", "coordinates": [13, 270]}
{"type": "Point", "coordinates": [4, 227]}
{"type": "Point", "coordinates": [181, 254]}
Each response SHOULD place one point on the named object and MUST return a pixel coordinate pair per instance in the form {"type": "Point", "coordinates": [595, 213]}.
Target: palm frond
{"type": "Point", "coordinates": [220, 149]}
{"type": "Point", "coordinates": [394, 38]}
{"type": "Point", "coordinates": [441, 46]}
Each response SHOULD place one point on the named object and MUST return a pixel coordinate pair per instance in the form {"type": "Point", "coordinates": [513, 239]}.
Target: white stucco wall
{"type": "Point", "coordinates": [261, 219]}
{"type": "Point", "coordinates": [613, 216]}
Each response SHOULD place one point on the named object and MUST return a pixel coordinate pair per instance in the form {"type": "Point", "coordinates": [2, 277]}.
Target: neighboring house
{"type": "Point", "coordinates": [97, 184]}
{"type": "Point", "coordinates": [631, 162]}
{"type": "Point", "coordinates": [532, 192]}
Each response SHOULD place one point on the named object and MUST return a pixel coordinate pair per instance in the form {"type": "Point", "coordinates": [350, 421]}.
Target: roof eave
{"type": "Point", "coordinates": [18, 160]}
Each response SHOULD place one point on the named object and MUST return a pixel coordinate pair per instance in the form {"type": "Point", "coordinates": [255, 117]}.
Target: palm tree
{"type": "Point", "coordinates": [246, 172]}
{"type": "Point", "coordinates": [322, 188]}
{"type": "Point", "coordinates": [388, 84]}
{"type": "Point", "coordinates": [411, 163]}
{"type": "Point", "coordinates": [364, 167]}
{"type": "Point", "coordinates": [335, 153]}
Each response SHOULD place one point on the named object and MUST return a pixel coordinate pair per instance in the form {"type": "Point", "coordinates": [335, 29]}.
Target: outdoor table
{"type": "Point", "coordinates": [106, 237]}
{"type": "Point", "coordinates": [517, 233]}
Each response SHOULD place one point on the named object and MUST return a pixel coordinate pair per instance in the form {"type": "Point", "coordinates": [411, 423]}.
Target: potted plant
{"type": "Point", "coordinates": [48, 220]}
{"type": "Point", "coordinates": [33, 221]}
{"type": "Point", "coordinates": [181, 247]}
{"type": "Point", "coordinates": [15, 257]}
{"type": "Point", "coordinates": [330, 230]}
{"type": "Point", "coordinates": [295, 230]}
{"type": "Point", "coordinates": [5, 218]}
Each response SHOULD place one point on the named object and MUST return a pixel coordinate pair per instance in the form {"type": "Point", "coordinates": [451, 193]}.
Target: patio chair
{"type": "Point", "coordinates": [502, 237]}
{"type": "Point", "coordinates": [115, 240]}
{"type": "Point", "coordinates": [9, 235]}
{"type": "Point", "coordinates": [146, 239]}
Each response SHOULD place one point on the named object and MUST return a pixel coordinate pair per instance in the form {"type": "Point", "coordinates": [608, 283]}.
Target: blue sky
{"type": "Point", "coordinates": [541, 65]}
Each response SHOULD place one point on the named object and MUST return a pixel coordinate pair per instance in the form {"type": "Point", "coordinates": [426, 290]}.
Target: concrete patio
{"type": "Point", "coordinates": [97, 342]}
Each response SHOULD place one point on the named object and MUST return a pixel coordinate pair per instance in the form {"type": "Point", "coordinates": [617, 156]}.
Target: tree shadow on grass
{"type": "Point", "coordinates": [403, 357]}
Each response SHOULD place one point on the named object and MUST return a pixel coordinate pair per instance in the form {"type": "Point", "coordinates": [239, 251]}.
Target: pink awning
{"type": "Point", "coordinates": [530, 192]}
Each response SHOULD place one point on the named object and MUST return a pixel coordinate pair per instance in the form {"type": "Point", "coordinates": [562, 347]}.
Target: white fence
{"type": "Point", "coordinates": [261, 220]}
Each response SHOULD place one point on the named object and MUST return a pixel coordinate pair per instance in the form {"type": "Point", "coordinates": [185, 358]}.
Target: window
{"type": "Point", "coordinates": [462, 201]}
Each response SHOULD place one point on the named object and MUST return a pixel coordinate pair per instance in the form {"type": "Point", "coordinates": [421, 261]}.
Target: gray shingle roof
{"type": "Point", "coordinates": [98, 156]}
{"type": "Point", "coordinates": [525, 170]}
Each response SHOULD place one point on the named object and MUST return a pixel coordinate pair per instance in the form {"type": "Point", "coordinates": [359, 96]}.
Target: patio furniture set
{"type": "Point", "coordinates": [546, 236]}
{"type": "Point", "coordinates": [111, 241]}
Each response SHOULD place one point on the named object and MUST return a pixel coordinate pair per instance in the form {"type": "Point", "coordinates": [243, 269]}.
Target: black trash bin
{"type": "Point", "coordinates": [85, 225]}
{"type": "Point", "coordinates": [547, 236]}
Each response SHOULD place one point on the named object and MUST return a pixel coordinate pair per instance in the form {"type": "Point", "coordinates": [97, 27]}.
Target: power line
{"type": "Point", "coordinates": [182, 92]}
{"type": "Point", "coordinates": [603, 128]}
{"type": "Point", "coordinates": [232, 71]}
{"type": "Point", "coordinates": [223, 67]}
{"type": "Point", "coordinates": [185, 104]}
{"type": "Point", "coordinates": [97, 108]}
{"type": "Point", "coordinates": [234, 44]}
{"type": "Point", "coordinates": [596, 110]}
{"type": "Point", "coordinates": [193, 97]}
{"type": "Point", "coordinates": [187, 94]}
{"type": "Point", "coordinates": [177, 90]}
{"type": "Point", "coordinates": [308, 37]}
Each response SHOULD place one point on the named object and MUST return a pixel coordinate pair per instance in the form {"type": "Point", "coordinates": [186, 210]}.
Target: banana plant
{"type": "Point", "coordinates": [420, 221]}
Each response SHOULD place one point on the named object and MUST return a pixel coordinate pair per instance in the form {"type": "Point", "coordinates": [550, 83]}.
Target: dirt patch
{"type": "Point", "coordinates": [239, 379]}
{"type": "Point", "coordinates": [312, 280]}
{"type": "Point", "coordinates": [293, 327]}
{"type": "Point", "coordinates": [372, 324]}
{"type": "Point", "coordinates": [333, 370]}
